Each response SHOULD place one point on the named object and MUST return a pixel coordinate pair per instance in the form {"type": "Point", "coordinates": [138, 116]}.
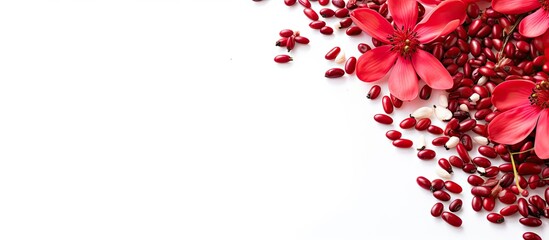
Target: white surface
{"type": "Point", "coordinates": [170, 120]}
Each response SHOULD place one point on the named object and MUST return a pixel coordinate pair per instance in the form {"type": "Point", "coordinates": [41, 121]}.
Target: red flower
{"type": "Point", "coordinates": [524, 105]}
{"type": "Point", "coordinates": [533, 25]}
{"type": "Point", "coordinates": [402, 54]}
{"type": "Point", "coordinates": [436, 2]}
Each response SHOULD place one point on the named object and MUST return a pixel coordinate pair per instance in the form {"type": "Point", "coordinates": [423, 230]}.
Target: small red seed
{"type": "Point", "coordinates": [305, 3]}
{"type": "Point", "coordinates": [311, 14]}
{"type": "Point", "coordinates": [283, 58]}
{"type": "Point", "coordinates": [301, 40]}
{"type": "Point", "coordinates": [437, 184]}
{"type": "Point", "coordinates": [509, 210]}
{"type": "Point", "coordinates": [408, 123]}
{"type": "Point", "coordinates": [383, 119]}
{"type": "Point", "coordinates": [531, 236]}
{"type": "Point", "coordinates": [452, 219]}
{"type": "Point", "coordinates": [327, 12]}
{"type": "Point", "coordinates": [475, 180]}
{"type": "Point", "coordinates": [469, 168]}
{"type": "Point", "coordinates": [440, 141]}
{"type": "Point", "coordinates": [424, 182]}
{"type": "Point", "coordinates": [435, 130]}
{"type": "Point", "coordinates": [462, 152]}
{"type": "Point", "coordinates": [456, 161]}
{"type": "Point", "coordinates": [345, 23]}
{"type": "Point", "coordinates": [326, 30]}
{"type": "Point", "coordinates": [529, 168]}
{"type": "Point", "coordinates": [455, 205]}
{"type": "Point", "coordinates": [374, 92]}
{"type": "Point", "coordinates": [522, 207]}
{"type": "Point", "coordinates": [290, 2]}
{"type": "Point", "coordinates": [488, 203]}
{"type": "Point", "coordinates": [482, 162]}
{"type": "Point", "coordinates": [426, 154]}
{"type": "Point", "coordinates": [323, 2]}
{"type": "Point", "coordinates": [423, 124]}
{"type": "Point", "coordinates": [338, 3]}
{"type": "Point", "coordinates": [363, 47]}
{"type": "Point", "coordinates": [342, 13]}
{"type": "Point", "coordinates": [396, 102]}
{"type": "Point", "coordinates": [353, 31]}
{"type": "Point", "coordinates": [350, 65]}
{"type": "Point", "coordinates": [445, 164]}
{"type": "Point", "coordinates": [286, 33]}
{"type": "Point", "coordinates": [495, 218]}
{"type": "Point", "coordinates": [425, 92]}
{"type": "Point", "coordinates": [335, 73]}
{"type": "Point", "coordinates": [387, 104]}
{"type": "Point", "coordinates": [507, 197]}
{"type": "Point", "coordinates": [530, 221]}
{"type": "Point", "coordinates": [393, 134]}
{"type": "Point", "coordinates": [481, 191]}
{"type": "Point", "coordinates": [442, 195]}
{"type": "Point", "coordinates": [476, 203]}
{"type": "Point", "coordinates": [290, 43]}
{"type": "Point", "coordinates": [317, 24]}
{"type": "Point", "coordinates": [487, 151]}
{"type": "Point", "coordinates": [332, 54]}
{"type": "Point", "coordinates": [437, 209]}
{"type": "Point", "coordinates": [453, 187]}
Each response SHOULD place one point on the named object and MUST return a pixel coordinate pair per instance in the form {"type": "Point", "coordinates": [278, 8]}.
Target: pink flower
{"type": "Point", "coordinates": [532, 25]}
{"type": "Point", "coordinates": [401, 55]}
{"type": "Point", "coordinates": [524, 106]}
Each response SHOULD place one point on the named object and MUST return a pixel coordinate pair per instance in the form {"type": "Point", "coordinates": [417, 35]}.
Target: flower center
{"type": "Point", "coordinates": [540, 95]}
{"type": "Point", "coordinates": [404, 42]}
{"type": "Point", "coordinates": [544, 4]}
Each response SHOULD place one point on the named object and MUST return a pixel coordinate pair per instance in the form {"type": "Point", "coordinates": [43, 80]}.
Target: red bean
{"type": "Point", "coordinates": [426, 154]}
{"type": "Point", "coordinates": [437, 184]}
{"type": "Point", "coordinates": [374, 92]}
{"type": "Point", "coordinates": [495, 218]}
{"type": "Point", "coordinates": [345, 23]}
{"type": "Point", "coordinates": [332, 54]}
{"type": "Point", "coordinates": [509, 210]}
{"type": "Point", "coordinates": [481, 191]}
{"type": "Point", "coordinates": [338, 3]}
{"type": "Point", "coordinates": [317, 24]}
{"type": "Point", "coordinates": [445, 164]}
{"type": "Point", "coordinates": [452, 219]}
{"type": "Point", "coordinates": [528, 168]}
{"type": "Point", "coordinates": [350, 65]}
{"type": "Point", "coordinates": [363, 47]}
{"type": "Point", "coordinates": [305, 3]}
{"type": "Point", "coordinates": [435, 130]}
{"type": "Point", "coordinates": [396, 102]}
{"type": "Point", "coordinates": [342, 13]}
{"type": "Point", "coordinates": [487, 151]}
{"type": "Point", "coordinates": [289, 2]}
{"type": "Point", "coordinates": [393, 135]}
{"type": "Point", "coordinates": [530, 221]}
{"type": "Point", "coordinates": [455, 205]}
{"type": "Point", "coordinates": [440, 141]}
{"type": "Point", "coordinates": [424, 182]}
{"type": "Point", "coordinates": [326, 30]}
{"type": "Point", "coordinates": [323, 2]}
{"type": "Point", "coordinates": [522, 207]}
{"type": "Point", "coordinates": [475, 180]}
{"type": "Point", "coordinates": [462, 152]}
{"type": "Point", "coordinates": [283, 58]}
{"type": "Point", "coordinates": [403, 143]}
{"type": "Point", "coordinates": [353, 31]}
{"type": "Point", "coordinates": [437, 209]}
{"type": "Point", "coordinates": [335, 73]}
{"type": "Point", "coordinates": [531, 236]}
{"type": "Point", "coordinates": [476, 203]}
{"type": "Point", "coordinates": [311, 14]}
{"type": "Point", "coordinates": [423, 124]}
{"type": "Point", "coordinates": [408, 123]}
{"type": "Point", "coordinates": [327, 12]}
{"type": "Point", "coordinates": [301, 40]}
{"type": "Point", "coordinates": [387, 104]}
{"type": "Point", "coordinates": [488, 203]}
{"type": "Point", "coordinates": [453, 187]}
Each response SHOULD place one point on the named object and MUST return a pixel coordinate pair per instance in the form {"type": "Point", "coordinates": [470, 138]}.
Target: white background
{"type": "Point", "coordinates": [166, 119]}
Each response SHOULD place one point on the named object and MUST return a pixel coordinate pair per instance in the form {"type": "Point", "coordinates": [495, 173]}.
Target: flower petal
{"type": "Point", "coordinates": [431, 70]}
{"type": "Point", "coordinates": [374, 64]}
{"type": "Point", "coordinates": [373, 24]}
{"type": "Point", "coordinates": [514, 125]}
{"type": "Point", "coordinates": [541, 146]}
{"type": "Point", "coordinates": [403, 80]}
{"type": "Point", "coordinates": [512, 93]}
{"type": "Point", "coordinates": [404, 13]}
{"type": "Point", "coordinates": [440, 21]}
{"type": "Point", "coordinates": [535, 24]}
{"type": "Point", "coordinates": [515, 6]}
{"type": "Point", "coordinates": [430, 2]}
